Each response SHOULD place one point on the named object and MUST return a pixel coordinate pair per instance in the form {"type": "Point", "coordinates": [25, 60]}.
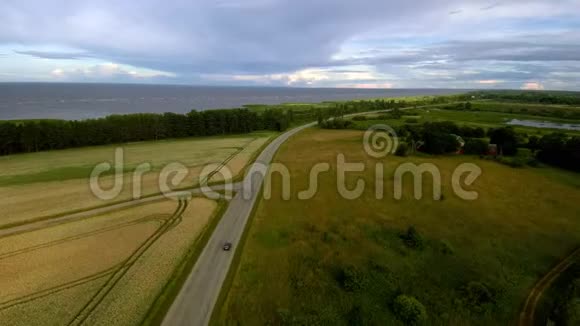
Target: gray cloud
{"type": "Point", "coordinates": [491, 6]}
{"type": "Point", "coordinates": [195, 38]}
{"type": "Point", "coordinates": [54, 55]}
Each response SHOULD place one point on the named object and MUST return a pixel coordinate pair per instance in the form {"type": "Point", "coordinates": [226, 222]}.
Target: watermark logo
{"type": "Point", "coordinates": [380, 141]}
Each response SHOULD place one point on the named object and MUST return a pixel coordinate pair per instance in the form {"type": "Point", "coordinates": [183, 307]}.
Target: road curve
{"type": "Point", "coordinates": [195, 302]}
{"type": "Point", "coordinates": [528, 313]}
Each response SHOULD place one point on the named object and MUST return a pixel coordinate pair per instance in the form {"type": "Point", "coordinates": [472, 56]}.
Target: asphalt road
{"type": "Point", "coordinates": [197, 298]}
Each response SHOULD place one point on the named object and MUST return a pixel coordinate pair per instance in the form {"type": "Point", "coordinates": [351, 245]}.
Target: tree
{"type": "Point", "coordinates": [506, 140]}
{"type": "Point", "coordinates": [476, 146]}
{"type": "Point", "coordinates": [409, 310]}
{"type": "Point", "coordinates": [439, 143]}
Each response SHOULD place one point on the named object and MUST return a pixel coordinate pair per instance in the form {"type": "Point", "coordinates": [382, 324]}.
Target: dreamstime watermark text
{"type": "Point", "coordinates": [214, 181]}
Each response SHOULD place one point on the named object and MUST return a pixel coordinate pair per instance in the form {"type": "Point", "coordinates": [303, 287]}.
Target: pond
{"type": "Point", "coordinates": [544, 124]}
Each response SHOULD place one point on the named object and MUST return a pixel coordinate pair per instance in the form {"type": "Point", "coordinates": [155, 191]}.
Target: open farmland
{"type": "Point", "coordinates": [117, 265]}
{"type": "Point", "coordinates": [484, 119]}
{"type": "Point", "coordinates": [334, 261]}
{"type": "Point", "coordinates": [45, 184]}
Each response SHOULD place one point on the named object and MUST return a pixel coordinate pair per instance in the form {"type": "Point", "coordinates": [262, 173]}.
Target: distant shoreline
{"type": "Point", "coordinates": [77, 101]}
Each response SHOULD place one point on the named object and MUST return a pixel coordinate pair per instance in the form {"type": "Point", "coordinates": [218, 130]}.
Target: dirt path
{"type": "Point", "coordinates": [528, 313]}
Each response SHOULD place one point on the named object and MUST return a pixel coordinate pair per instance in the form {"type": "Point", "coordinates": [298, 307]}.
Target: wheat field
{"type": "Point", "coordinates": [103, 270]}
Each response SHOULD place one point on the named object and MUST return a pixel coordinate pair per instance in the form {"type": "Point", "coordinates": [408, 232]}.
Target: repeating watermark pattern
{"type": "Point", "coordinates": [379, 141]}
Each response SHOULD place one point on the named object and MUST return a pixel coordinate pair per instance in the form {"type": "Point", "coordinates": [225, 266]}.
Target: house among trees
{"type": "Point", "coordinates": [460, 143]}
{"type": "Point", "coordinates": [492, 150]}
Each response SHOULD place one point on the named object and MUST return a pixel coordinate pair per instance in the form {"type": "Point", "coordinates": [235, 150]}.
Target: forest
{"type": "Point", "coordinates": [42, 135]}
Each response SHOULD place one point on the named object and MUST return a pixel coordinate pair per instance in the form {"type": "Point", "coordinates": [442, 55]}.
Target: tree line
{"type": "Point", "coordinates": [539, 97]}
{"type": "Point", "coordinates": [42, 135]}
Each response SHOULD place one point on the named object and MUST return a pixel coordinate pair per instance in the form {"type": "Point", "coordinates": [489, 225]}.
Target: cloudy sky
{"type": "Point", "coordinates": [533, 44]}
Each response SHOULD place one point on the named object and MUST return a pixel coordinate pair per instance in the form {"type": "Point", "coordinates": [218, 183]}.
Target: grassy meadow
{"type": "Point", "coordinates": [332, 261]}
{"type": "Point", "coordinates": [484, 119]}
{"type": "Point", "coordinates": [108, 277]}
{"type": "Point", "coordinates": [39, 185]}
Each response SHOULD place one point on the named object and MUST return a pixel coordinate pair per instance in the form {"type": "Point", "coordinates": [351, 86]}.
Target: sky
{"type": "Point", "coordinates": [516, 44]}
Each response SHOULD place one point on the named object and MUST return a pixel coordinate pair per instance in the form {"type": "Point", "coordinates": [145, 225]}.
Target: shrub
{"type": "Point", "coordinates": [359, 118]}
{"type": "Point", "coordinates": [471, 132]}
{"type": "Point", "coordinates": [409, 310]}
{"type": "Point", "coordinates": [573, 312]}
{"type": "Point", "coordinates": [444, 127]}
{"type": "Point", "coordinates": [533, 162]}
{"type": "Point", "coordinates": [336, 123]}
{"type": "Point", "coordinates": [402, 150]}
{"type": "Point", "coordinates": [412, 120]}
{"type": "Point", "coordinates": [355, 316]}
{"type": "Point", "coordinates": [285, 316]}
{"type": "Point", "coordinates": [477, 295]}
{"type": "Point", "coordinates": [439, 143]}
{"type": "Point", "coordinates": [476, 146]}
{"type": "Point", "coordinates": [446, 248]}
{"type": "Point", "coordinates": [514, 162]}
{"type": "Point", "coordinates": [412, 238]}
{"type": "Point", "coordinates": [351, 278]}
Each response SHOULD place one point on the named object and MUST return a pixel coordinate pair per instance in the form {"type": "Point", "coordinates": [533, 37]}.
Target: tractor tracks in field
{"type": "Point", "coordinates": [223, 163]}
{"type": "Point", "coordinates": [118, 274]}
{"type": "Point", "coordinates": [158, 217]}
{"type": "Point", "coordinates": [528, 313]}
{"type": "Point", "coordinates": [115, 273]}
{"type": "Point", "coordinates": [59, 288]}
{"type": "Point", "coordinates": [43, 223]}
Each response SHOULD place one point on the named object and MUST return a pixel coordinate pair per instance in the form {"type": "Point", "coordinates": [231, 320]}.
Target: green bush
{"type": "Point", "coordinates": [477, 296]}
{"type": "Point", "coordinates": [474, 146]}
{"type": "Point", "coordinates": [359, 118]}
{"type": "Point", "coordinates": [411, 120]}
{"type": "Point", "coordinates": [409, 310]}
{"type": "Point", "coordinates": [439, 143]}
{"type": "Point", "coordinates": [351, 278]}
{"type": "Point", "coordinates": [355, 316]}
{"type": "Point", "coordinates": [533, 162]}
{"type": "Point", "coordinates": [446, 248]}
{"type": "Point", "coordinates": [573, 312]}
{"type": "Point", "coordinates": [412, 238]}
{"type": "Point", "coordinates": [336, 123]}
{"type": "Point", "coordinates": [514, 162]}
{"type": "Point", "coordinates": [402, 150]}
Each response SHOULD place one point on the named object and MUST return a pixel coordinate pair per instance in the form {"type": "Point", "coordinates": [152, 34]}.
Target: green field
{"type": "Point", "coordinates": [484, 119]}
{"type": "Point", "coordinates": [44, 184]}
{"type": "Point", "coordinates": [332, 261]}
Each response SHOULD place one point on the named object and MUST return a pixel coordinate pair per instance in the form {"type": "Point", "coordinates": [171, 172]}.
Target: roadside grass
{"type": "Point", "coordinates": [94, 246]}
{"type": "Point", "coordinates": [333, 261]}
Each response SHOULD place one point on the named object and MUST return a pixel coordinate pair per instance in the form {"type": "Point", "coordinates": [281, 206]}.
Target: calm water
{"type": "Point", "coordinates": [81, 101]}
{"type": "Point", "coordinates": [544, 124]}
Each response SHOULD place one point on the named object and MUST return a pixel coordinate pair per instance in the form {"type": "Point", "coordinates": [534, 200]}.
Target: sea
{"type": "Point", "coordinates": [20, 101]}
